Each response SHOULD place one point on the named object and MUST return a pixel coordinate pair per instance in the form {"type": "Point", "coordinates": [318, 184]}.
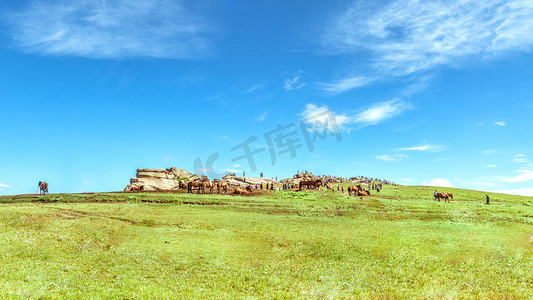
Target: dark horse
{"type": "Point", "coordinates": [43, 187]}
{"type": "Point", "coordinates": [310, 184]}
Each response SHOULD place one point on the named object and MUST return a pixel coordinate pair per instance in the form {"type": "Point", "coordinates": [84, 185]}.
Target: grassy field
{"type": "Point", "coordinates": [398, 244]}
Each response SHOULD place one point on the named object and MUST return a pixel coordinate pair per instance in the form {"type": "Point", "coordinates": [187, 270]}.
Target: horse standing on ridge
{"type": "Point", "coordinates": [43, 188]}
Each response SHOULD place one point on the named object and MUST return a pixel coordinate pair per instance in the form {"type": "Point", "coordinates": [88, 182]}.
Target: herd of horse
{"type": "Point", "coordinates": [203, 185]}
{"type": "Point", "coordinates": [354, 190]}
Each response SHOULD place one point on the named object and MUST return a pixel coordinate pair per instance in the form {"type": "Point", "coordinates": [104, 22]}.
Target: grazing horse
{"type": "Point", "coordinates": [329, 187]}
{"type": "Point", "coordinates": [43, 188]}
{"type": "Point", "coordinates": [444, 196]}
{"type": "Point", "coordinates": [314, 184]}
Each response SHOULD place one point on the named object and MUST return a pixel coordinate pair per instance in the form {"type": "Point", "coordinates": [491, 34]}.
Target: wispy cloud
{"type": "Point", "coordinates": [295, 82]}
{"type": "Point", "coordinates": [323, 115]}
{"type": "Point", "coordinates": [5, 186]}
{"type": "Point", "coordinates": [262, 116]}
{"type": "Point", "coordinates": [424, 148]}
{"type": "Point", "coordinates": [442, 182]}
{"type": "Point", "coordinates": [525, 175]}
{"type": "Point", "coordinates": [380, 112]}
{"type": "Point", "coordinates": [373, 115]}
{"type": "Point", "coordinates": [520, 158]}
{"type": "Point", "coordinates": [403, 37]}
{"type": "Point", "coordinates": [491, 166]}
{"type": "Point", "coordinates": [489, 151]}
{"type": "Point", "coordinates": [500, 123]}
{"type": "Point", "coordinates": [110, 29]}
{"type": "Point", "coordinates": [391, 158]}
{"type": "Point", "coordinates": [345, 84]}
{"type": "Point", "coordinates": [254, 88]}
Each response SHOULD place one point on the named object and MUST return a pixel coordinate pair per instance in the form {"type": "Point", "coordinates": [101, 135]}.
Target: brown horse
{"type": "Point", "coordinates": [329, 187]}
{"type": "Point", "coordinates": [240, 191]}
{"type": "Point", "coordinates": [363, 193]}
{"type": "Point", "coordinates": [444, 196]}
{"type": "Point", "coordinates": [353, 189]}
{"type": "Point", "coordinates": [43, 188]}
{"type": "Point", "coordinates": [313, 184]}
{"type": "Point", "coordinates": [192, 184]}
{"type": "Point", "coordinates": [221, 185]}
{"type": "Point", "coordinates": [137, 188]}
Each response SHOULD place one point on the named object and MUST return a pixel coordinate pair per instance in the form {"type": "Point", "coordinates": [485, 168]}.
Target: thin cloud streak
{"type": "Point", "coordinates": [424, 148]}
{"type": "Point", "coordinates": [110, 29]}
{"type": "Point", "coordinates": [4, 186]}
{"type": "Point", "coordinates": [345, 84]}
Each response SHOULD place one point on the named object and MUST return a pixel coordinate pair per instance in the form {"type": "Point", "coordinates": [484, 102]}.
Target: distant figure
{"type": "Point", "coordinates": [261, 175]}
{"type": "Point", "coordinates": [243, 173]}
{"type": "Point", "coordinates": [488, 199]}
{"type": "Point", "coordinates": [435, 194]}
{"type": "Point", "coordinates": [43, 187]}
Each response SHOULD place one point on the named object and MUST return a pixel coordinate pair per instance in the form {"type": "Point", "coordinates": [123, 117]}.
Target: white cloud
{"type": "Point", "coordinates": [372, 115]}
{"type": "Point", "coordinates": [323, 116]}
{"type": "Point", "coordinates": [380, 112]}
{"type": "Point", "coordinates": [345, 84]}
{"type": "Point", "coordinates": [522, 192]}
{"type": "Point", "coordinates": [442, 182]}
{"type": "Point", "coordinates": [5, 186]}
{"type": "Point", "coordinates": [491, 166]}
{"type": "Point", "coordinates": [500, 123]}
{"type": "Point", "coordinates": [525, 175]}
{"type": "Point", "coordinates": [520, 158]}
{"type": "Point", "coordinates": [408, 36]}
{"type": "Point", "coordinates": [262, 116]}
{"type": "Point", "coordinates": [391, 158]}
{"type": "Point", "coordinates": [294, 83]}
{"type": "Point", "coordinates": [424, 148]}
{"type": "Point", "coordinates": [110, 29]}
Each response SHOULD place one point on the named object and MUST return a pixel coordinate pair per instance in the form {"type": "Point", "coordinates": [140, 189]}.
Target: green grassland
{"type": "Point", "coordinates": [399, 243]}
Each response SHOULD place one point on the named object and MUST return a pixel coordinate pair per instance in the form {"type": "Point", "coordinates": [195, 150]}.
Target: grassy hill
{"type": "Point", "coordinates": [397, 244]}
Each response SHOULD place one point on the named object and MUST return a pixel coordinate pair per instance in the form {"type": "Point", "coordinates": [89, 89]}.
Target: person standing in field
{"type": "Point", "coordinates": [435, 194]}
{"type": "Point", "coordinates": [488, 199]}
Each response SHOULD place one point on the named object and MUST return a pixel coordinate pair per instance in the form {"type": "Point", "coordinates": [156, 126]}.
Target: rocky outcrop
{"type": "Point", "coordinates": [299, 177]}
{"type": "Point", "coordinates": [310, 176]}
{"type": "Point", "coordinates": [234, 181]}
{"type": "Point", "coordinates": [158, 179]}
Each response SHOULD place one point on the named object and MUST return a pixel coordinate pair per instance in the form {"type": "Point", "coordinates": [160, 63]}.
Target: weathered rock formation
{"type": "Point", "coordinates": [234, 181]}
{"type": "Point", "coordinates": [299, 177]}
{"type": "Point", "coordinates": [310, 176]}
{"type": "Point", "coordinates": [158, 179]}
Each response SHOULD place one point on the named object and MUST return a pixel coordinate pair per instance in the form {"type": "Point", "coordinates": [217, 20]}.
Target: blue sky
{"type": "Point", "coordinates": [418, 92]}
